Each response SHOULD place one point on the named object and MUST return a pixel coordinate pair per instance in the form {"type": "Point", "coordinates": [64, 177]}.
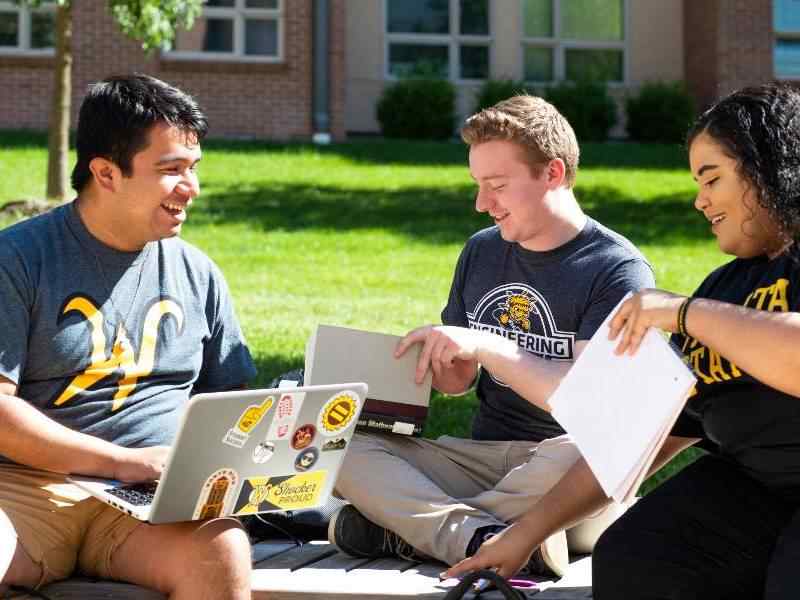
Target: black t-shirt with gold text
{"type": "Point", "coordinates": [756, 426]}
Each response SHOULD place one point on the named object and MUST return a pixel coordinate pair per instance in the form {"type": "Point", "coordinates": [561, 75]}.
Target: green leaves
{"type": "Point", "coordinates": [154, 22]}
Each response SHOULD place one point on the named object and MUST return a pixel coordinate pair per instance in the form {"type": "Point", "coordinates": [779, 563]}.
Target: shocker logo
{"type": "Point", "coordinates": [338, 413]}
{"type": "Point", "coordinates": [514, 312]}
{"type": "Point", "coordinates": [122, 356]}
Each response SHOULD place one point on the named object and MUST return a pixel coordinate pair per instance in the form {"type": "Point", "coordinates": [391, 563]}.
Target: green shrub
{"type": "Point", "coordinates": [418, 108]}
{"type": "Point", "coordinates": [495, 90]}
{"type": "Point", "coordinates": [587, 106]}
{"type": "Point", "coordinates": [662, 112]}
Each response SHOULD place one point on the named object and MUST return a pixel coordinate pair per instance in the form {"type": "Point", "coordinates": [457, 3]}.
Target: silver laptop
{"type": "Point", "coordinates": [245, 452]}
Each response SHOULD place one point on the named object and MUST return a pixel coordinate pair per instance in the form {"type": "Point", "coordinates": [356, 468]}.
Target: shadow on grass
{"type": "Point", "coordinates": [379, 151]}
{"type": "Point", "coordinates": [612, 155]}
{"type": "Point", "coordinates": [436, 215]}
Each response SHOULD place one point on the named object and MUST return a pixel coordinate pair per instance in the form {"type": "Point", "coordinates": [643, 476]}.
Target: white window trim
{"type": "Point", "coordinates": [453, 41]}
{"type": "Point", "coordinates": [560, 44]}
{"type": "Point", "coordinates": [23, 47]}
{"type": "Point", "coordinates": [238, 13]}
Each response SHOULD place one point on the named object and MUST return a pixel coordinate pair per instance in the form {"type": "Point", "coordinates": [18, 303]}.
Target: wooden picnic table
{"type": "Point", "coordinates": [318, 571]}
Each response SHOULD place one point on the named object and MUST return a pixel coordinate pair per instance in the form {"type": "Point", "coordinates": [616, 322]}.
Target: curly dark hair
{"type": "Point", "coordinates": [759, 127]}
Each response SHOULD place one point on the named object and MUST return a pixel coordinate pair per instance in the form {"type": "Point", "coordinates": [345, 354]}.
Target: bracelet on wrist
{"type": "Point", "coordinates": [684, 308]}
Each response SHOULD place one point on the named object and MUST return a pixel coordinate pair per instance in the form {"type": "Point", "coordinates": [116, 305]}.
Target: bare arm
{"type": "Point", "coordinates": [29, 437]}
{"type": "Point", "coordinates": [770, 354]}
{"type": "Point", "coordinates": [576, 496]}
{"type": "Point", "coordinates": [453, 354]}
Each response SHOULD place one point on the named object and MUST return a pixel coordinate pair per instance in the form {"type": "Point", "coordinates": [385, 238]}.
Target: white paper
{"type": "Point", "coordinates": [619, 409]}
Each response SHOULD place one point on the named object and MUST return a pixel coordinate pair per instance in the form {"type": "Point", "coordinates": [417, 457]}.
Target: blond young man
{"type": "Point", "coordinates": [527, 295]}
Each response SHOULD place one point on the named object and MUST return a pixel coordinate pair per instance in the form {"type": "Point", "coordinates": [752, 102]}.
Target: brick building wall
{"type": "Point", "coordinates": [728, 45]}
{"type": "Point", "coordinates": [264, 100]}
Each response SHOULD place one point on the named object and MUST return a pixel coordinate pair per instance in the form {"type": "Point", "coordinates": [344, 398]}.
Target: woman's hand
{"type": "Point", "coordinates": [506, 553]}
{"type": "Point", "coordinates": [645, 309]}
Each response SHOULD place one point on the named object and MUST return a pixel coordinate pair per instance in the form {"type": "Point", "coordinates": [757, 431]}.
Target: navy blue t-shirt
{"type": "Point", "coordinates": [545, 302]}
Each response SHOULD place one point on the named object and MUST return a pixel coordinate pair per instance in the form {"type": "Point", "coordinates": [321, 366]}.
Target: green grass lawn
{"type": "Point", "coordinates": [366, 234]}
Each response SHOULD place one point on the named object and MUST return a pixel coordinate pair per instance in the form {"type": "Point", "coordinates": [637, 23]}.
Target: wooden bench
{"type": "Point", "coordinates": [318, 571]}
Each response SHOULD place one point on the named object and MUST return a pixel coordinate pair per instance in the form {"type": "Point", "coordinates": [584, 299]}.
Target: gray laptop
{"type": "Point", "coordinates": [245, 452]}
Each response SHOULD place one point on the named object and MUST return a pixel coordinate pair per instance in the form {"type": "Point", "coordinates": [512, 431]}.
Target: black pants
{"type": "Point", "coordinates": [708, 533]}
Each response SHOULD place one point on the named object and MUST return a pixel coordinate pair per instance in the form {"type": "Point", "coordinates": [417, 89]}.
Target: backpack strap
{"type": "Point", "coordinates": [465, 585]}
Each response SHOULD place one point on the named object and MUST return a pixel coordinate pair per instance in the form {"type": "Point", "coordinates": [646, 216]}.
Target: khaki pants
{"type": "Point", "coordinates": [436, 493]}
{"type": "Point", "coordinates": [59, 525]}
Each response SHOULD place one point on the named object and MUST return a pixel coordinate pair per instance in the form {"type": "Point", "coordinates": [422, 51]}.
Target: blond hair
{"type": "Point", "coordinates": [532, 123]}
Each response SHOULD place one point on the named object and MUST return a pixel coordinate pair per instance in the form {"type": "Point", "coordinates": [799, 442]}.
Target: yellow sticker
{"type": "Point", "coordinates": [338, 413]}
{"type": "Point", "coordinates": [238, 435]}
{"type": "Point", "coordinates": [216, 495]}
{"type": "Point", "coordinates": [286, 492]}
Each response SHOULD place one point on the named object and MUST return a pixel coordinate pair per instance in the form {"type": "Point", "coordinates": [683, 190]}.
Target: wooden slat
{"type": "Point", "coordinates": [266, 550]}
{"type": "Point", "coordinates": [340, 576]}
{"type": "Point", "coordinates": [297, 558]}
{"type": "Point", "coordinates": [87, 589]}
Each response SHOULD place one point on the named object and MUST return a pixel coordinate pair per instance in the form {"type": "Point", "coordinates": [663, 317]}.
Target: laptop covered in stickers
{"type": "Point", "coordinates": [245, 452]}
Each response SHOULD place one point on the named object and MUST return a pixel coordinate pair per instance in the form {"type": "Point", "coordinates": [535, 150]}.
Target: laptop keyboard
{"type": "Point", "coordinates": [139, 494]}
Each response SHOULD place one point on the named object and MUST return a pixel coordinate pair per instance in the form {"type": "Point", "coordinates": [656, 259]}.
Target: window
{"type": "Point", "coordinates": [786, 16]}
{"type": "Point", "coordinates": [573, 40]}
{"type": "Point", "coordinates": [23, 30]}
{"type": "Point", "coordinates": [445, 38]}
{"type": "Point", "coordinates": [249, 30]}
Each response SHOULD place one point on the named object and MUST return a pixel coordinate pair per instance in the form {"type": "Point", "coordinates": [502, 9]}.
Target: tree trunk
{"type": "Point", "coordinates": [58, 137]}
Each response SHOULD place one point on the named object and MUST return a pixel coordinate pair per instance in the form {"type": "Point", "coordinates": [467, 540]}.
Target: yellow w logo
{"type": "Point", "coordinates": [122, 352]}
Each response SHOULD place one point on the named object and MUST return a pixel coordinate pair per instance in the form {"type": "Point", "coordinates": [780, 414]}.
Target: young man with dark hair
{"type": "Point", "coordinates": [110, 323]}
{"type": "Point", "coordinates": [526, 297]}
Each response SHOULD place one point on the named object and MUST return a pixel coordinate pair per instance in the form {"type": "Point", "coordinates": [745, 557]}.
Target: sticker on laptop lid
{"type": "Point", "coordinates": [303, 436]}
{"type": "Point", "coordinates": [338, 413]}
{"type": "Point", "coordinates": [306, 459]}
{"type": "Point", "coordinates": [286, 492]}
{"type": "Point", "coordinates": [238, 435]}
{"type": "Point", "coordinates": [263, 452]}
{"type": "Point", "coordinates": [334, 444]}
{"type": "Point", "coordinates": [286, 411]}
{"type": "Point", "coordinates": [217, 495]}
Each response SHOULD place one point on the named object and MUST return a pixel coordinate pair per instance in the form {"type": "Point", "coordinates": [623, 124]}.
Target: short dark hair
{"type": "Point", "coordinates": [759, 127]}
{"type": "Point", "coordinates": [116, 117]}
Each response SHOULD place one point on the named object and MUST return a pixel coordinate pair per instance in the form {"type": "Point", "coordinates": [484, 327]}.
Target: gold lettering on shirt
{"type": "Point", "coordinates": [122, 355]}
{"type": "Point", "coordinates": [775, 296]}
{"type": "Point", "coordinates": [706, 363]}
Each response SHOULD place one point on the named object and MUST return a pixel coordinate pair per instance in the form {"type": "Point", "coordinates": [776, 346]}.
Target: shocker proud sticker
{"type": "Point", "coordinates": [338, 413]}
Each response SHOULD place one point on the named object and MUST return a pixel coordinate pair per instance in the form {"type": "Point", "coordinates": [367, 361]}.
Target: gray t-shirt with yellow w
{"type": "Point", "coordinates": [112, 343]}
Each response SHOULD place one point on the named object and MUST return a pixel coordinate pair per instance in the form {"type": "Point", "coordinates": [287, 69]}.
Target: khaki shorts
{"type": "Point", "coordinates": [59, 525]}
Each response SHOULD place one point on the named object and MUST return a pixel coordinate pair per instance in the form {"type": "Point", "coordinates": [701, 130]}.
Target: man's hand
{"type": "Point", "coordinates": [506, 553]}
{"type": "Point", "coordinates": [443, 348]}
{"type": "Point", "coordinates": [140, 464]}
{"type": "Point", "coordinates": [645, 309]}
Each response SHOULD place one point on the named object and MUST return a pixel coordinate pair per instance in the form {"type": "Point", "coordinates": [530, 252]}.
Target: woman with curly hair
{"type": "Point", "coordinates": [728, 525]}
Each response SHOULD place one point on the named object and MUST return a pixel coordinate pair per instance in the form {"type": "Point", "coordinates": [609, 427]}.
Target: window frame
{"type": "Point", "coordinates": [453, 41]}
{"type": "Point", "coordinates": [238, 13]}
{"type": "Point", "coordinates": [560, 45]}
{"type": "Point", "coordinates": [24, 19]}
{"type": "Point", "coordinates": [778, 35]}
